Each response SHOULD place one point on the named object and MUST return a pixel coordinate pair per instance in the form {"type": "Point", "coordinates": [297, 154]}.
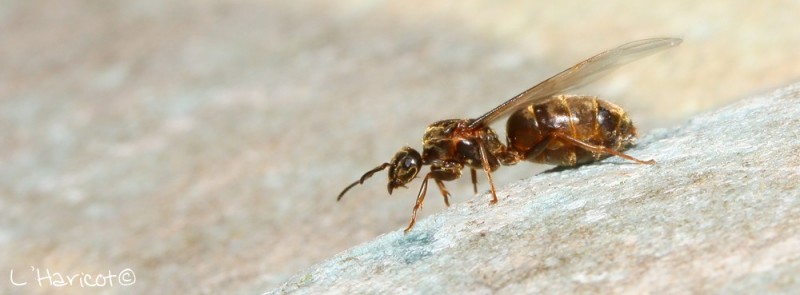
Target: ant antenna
{"type": "Point", "coordinates": [363, 178]}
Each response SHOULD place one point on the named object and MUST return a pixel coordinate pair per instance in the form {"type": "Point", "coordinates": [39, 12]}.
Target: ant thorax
{"type": "Point", "coordinates": [453, 141]}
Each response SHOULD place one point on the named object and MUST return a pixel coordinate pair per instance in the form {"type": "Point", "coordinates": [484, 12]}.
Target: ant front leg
{"type": "Point", "coordinates": [420, 198]}
{"type": "Point", "coordinates": [442, 172]}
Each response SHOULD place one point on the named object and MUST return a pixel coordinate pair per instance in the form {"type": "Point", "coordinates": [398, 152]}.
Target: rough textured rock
{"type": "Point", "coordinates": [720, 212]}
{"type": "Point", "coordinates": [202, 143]}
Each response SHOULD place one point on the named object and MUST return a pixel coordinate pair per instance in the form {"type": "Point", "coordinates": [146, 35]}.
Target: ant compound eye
{"type": "Point", "coordinates": [410, 162]}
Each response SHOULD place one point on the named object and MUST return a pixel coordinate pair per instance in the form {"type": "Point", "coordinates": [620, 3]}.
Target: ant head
{"type": "Point", "coordinates": [404, 166]}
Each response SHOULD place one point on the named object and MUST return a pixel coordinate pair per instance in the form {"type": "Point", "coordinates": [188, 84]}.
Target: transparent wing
{"type": "Point", "coordinates": [578, 75]}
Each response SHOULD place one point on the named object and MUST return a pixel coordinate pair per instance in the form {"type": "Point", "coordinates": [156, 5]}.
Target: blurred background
{"type": "Point", "coordinates": [202, 144]}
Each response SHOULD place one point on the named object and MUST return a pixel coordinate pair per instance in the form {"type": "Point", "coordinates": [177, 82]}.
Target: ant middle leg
{"type": "Point", "coordinates": [488, 170]}
{"type": "Point", "coordinates": [474, 174]}
{"type": "Point", "coordinates": [444, 191]}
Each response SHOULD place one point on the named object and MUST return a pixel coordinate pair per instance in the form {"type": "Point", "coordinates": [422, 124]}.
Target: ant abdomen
{"type": "Point", "coordinates": [545, 132]}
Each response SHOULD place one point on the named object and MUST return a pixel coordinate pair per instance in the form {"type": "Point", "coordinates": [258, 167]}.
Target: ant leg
{"type": "Point", "coordinates": [474, 174]}
{"type": "Point", "coordinates": [539, 147]}
{"type": "Point", "coordinates": [420, 197]}
{"type": "Point", "coordinates": [441, 172]}
{"type": "Point", "coordinates": [487, 169]}
{"type": "Point", "coordinates": [444, 191]}
{"type": "Point", "coordinates": [600, 149]}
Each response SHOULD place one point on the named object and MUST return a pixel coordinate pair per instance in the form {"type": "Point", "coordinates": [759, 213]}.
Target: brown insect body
{"type": "Point", "coordinates": [585, 118]}
{"type": "Point", "coordinates": [543, 127]}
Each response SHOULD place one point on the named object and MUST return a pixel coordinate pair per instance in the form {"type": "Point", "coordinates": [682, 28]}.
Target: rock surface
{"type": "Point", "coordinates": [202, 143]}
{"type": "Point", "coordinates": [720, 212]}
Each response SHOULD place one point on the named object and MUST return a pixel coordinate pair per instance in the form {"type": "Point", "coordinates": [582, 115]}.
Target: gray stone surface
{"type": "Point", "coordinates": [202, 143]}
{"type": "Point", "coordinates": [720, 212]}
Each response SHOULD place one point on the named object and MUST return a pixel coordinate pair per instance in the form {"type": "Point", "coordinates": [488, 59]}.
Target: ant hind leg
{"type": "Point", "coordinates": [600, 149]}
